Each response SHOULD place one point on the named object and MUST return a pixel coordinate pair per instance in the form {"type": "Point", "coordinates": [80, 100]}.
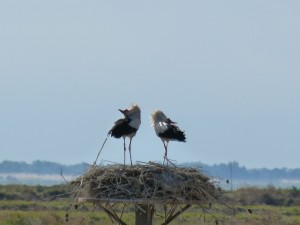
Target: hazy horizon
{"type": "Point", "coordinates": [106, 162]}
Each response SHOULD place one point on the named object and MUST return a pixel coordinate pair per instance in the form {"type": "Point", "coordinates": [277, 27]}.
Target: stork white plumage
{"type": "Point", "coordinates": [127, 127]}
{"type": "Point", "coordinates": [166, 129]}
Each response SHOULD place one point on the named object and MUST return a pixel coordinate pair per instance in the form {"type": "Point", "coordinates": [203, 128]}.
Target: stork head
{"type": "Point", "coordinates": [132, 112]}
{"type": "Point", "coordinates": [158, 116]}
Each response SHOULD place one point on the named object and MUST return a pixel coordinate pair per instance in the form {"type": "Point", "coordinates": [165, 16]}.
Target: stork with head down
{"type": "Point", "coordinates": [166, 130]}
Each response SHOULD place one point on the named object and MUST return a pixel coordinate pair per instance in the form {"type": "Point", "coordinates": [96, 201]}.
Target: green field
{"type": "Point", "coordinates": [35, 205]}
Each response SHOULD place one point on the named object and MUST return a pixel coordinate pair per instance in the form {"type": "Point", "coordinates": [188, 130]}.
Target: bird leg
{"type": "Point", "coordinates": [166, 152]}
{"type": "Point", "coordinates": [124, 150]}
{"type": "Point", "coordinates": [130, 150]}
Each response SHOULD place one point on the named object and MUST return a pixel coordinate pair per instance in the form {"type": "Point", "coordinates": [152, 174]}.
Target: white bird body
{"type": "Point", "coordinates": [135, 122]}
{"type": "Point", "coordinates": [160, 127]}
{"type": "Point", "coordinates": [166, 129]}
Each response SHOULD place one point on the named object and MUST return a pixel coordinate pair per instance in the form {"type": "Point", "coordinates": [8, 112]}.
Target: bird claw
{"type": "Point", "coordinates": [169, 161]}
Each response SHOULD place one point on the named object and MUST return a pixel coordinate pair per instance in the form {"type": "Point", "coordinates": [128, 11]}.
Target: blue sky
{"type": "Point", "coordinates": [227, 72]}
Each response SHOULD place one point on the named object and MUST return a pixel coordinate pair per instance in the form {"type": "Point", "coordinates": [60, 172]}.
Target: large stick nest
{"type": "Point", "coordinates": [153, 182]}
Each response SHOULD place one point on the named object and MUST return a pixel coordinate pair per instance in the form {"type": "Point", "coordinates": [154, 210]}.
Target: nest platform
{"type": "Point", "coordinates": [145, 186]}
{"type": "Point", "coordinates": [149, 183]}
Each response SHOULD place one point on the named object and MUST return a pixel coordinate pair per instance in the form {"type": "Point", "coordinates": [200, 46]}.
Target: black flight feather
{"type": "Point", "coordinates": [173, 133]}
{"type": "Point", "coordinates": [122, 128]}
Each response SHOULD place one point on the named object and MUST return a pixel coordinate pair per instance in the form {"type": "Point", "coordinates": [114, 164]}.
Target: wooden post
{"type": "Point", "coordinates": [144, 214]}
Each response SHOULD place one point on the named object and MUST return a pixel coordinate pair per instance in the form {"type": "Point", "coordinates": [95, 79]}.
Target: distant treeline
{"type": "Point", "coordinates": [234, 170]}
{"type": "Point", "coordinates": [41, 167]}
{"type": "Point", "coordinates": [223, 170]}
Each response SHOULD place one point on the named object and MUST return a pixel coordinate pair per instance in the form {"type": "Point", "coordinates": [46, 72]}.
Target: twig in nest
{"type": "Point", "coordinates": [61, 174]}
{"type": "Point", "coordinates": [150, 182]}
{"type": "Point", "coordinates": [95, 162]}
{"type": "Point", "coordinates": [94, 208]}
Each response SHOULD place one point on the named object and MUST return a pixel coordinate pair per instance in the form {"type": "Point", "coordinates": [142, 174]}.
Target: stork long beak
{"type": "Point", "coordinates": [170, 121]}
{"type": "Point", "coordinates": [125, 111]}
{"type": "Point", "coordinates": [122, 111]}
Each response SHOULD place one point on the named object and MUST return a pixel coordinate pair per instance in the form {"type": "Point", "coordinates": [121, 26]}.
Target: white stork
{"type": "Point", "coordinates": [166, 129]}
{"type": "Point", "coordinates": [128, 126]}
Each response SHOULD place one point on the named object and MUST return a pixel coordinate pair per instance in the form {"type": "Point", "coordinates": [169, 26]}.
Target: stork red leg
{"type": "Point", "coordinates": [130, 150]}
{"type": "Point", "coordinates": [166, 152]}
{"type": "Point", "coordinates": [124, 150]}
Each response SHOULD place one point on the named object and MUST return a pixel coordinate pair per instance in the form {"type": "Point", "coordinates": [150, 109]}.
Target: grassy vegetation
{"type": "Point", "coordinates": [36, 205]}
{"type": "Point", "coordinates": [25, 192]}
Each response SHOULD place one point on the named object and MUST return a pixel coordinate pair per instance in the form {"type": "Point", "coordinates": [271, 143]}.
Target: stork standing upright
{"type": "Point", "coordinates": [166, 129]}
{"type": "Point", "coordinates": [128, 126]}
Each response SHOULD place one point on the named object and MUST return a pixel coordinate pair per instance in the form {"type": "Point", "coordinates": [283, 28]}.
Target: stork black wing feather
{"type": "Point", "coordinates": [121, 128]}
{"type": "Point", "coordinates": [173, 133]}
